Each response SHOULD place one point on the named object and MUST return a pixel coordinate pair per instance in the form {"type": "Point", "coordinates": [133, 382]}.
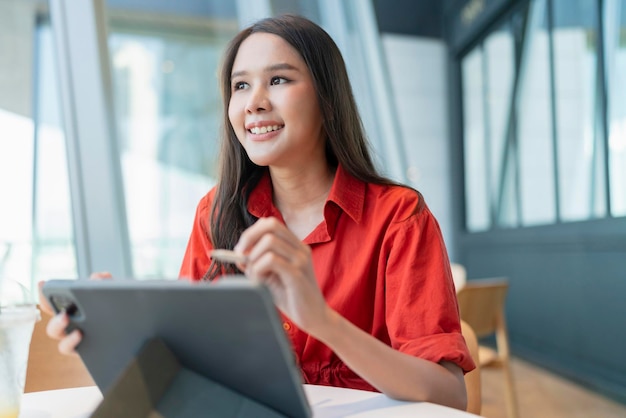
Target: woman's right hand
{"type": "Point", "coordinates": [58, 323]}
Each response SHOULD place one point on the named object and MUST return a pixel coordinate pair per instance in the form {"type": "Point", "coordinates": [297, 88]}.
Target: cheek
{"type": "Point", "coordinates": [307, 105]}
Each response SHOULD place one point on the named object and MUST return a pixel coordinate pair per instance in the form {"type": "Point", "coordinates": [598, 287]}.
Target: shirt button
{"type": "Point", "coordinates": [286, 326]}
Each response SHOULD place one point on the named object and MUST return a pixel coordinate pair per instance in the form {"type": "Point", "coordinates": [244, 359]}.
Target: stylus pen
{"type": "Point", "coordinates": [228, 256]}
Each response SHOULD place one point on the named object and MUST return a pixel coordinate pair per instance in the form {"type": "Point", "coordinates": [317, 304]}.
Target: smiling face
{"type": "Point", "coordinates": [273, 106]}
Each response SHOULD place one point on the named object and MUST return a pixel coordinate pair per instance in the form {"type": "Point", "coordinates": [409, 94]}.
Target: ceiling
{"type": "Point", "coordinates": [411, 17]}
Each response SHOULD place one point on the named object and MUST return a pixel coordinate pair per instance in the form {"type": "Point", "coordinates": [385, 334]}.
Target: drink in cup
{"type": "Point", "coordinates": [16, 328]}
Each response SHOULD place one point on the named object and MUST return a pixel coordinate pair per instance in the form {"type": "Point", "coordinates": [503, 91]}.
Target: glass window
{"type": "Point", "coordinates": [475, 143]}
{"type": "Point", "coordinates": [53, 240]}
{"type": "Point", "coordinates": [36, 235]}
{"type": "Point", "coordinates": [550, 151]}
{"type": "Point", "coordinates": [508, 210]}
{"type": "Point", "coordinates": [168, 113]}
{"type": "Point", "coordinates": [499, 54]}
{"type": "Point", "coordinates": [577, 116]}
{"type": "Point", "coordinates": [534, 130]}
{"type": "Point", "coordinates": [499, 74]}
{"type": "Point", "coordinates": [615, 47]}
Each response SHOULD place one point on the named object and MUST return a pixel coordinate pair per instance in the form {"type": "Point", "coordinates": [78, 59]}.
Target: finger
{"type": "Point", "coordinates": [57, 325]}
{"type": "Point", "coordinates": [270, 267]}
{"type": "Point", "coordinates": [276, 288]}
{"type": "Point", "coordinates": [43, 302]}
{"type": "Point", "coordinates": [101, 275]}
{"type": "Point", "coordinates": [263, 267]}
{"type": "Point", "coordinates": [68, 344]}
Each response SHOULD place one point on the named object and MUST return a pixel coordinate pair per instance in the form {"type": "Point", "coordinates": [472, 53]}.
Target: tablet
{"type": "Point", "coordinates": [228, 331]}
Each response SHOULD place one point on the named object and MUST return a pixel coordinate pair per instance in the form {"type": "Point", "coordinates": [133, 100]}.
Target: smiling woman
{"type": "Point", "coordinates": [355, 262]}
{"type": "Point", "coordinates": [347, 254]}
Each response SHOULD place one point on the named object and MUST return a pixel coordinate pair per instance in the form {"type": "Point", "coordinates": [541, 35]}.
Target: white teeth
{"type": "Point", "coordinates": [264, 129]}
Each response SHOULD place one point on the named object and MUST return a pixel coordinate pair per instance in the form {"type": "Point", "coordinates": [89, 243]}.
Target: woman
{"type": "Point", "coordinates": [355, 263]}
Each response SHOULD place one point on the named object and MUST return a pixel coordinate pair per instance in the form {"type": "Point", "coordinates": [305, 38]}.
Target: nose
{"type": "Point", "coordinates": [258, 101]}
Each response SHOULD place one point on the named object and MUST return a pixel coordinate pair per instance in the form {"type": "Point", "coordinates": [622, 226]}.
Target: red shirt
{"type": "Point", "coordinates": [381, 267]}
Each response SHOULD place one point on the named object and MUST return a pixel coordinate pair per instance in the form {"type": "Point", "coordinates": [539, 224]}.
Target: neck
{"type": "Point", "coordinates": [297, 190]}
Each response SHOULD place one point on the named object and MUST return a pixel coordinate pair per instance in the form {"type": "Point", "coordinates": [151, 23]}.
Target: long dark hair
{"type": "Point", "coordinates": [346, 143]}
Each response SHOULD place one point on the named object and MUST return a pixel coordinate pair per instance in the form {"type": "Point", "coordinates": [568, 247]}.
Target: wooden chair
{"type": "Point", "coordinates": [481, 305]}
{"type": "Point", "coordinates": [459, 275]}
{"type": "Point", "coordinates": [47, 368]}
{"type": "Point", "coordinates": [472, 379]}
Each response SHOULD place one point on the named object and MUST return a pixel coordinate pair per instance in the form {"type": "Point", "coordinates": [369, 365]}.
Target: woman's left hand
{"type": "Point", "coordinates": [277, 258]}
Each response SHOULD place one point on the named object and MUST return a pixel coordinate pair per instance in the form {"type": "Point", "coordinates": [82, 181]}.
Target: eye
{"type": "Point", "coordinates": [278, 80]}
{"type": "Point", "coordinates": [240, 85]}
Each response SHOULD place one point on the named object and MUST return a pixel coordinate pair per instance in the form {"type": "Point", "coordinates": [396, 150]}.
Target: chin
{"type": "Point", "coordinates": [261, 161]}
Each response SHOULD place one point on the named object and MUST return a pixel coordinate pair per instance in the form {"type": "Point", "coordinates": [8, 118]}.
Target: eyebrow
{"type": "Point", "coordinates": [271, 68]}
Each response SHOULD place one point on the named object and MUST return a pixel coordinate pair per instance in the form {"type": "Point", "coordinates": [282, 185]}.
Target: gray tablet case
{"type": "Point", "coordinates": [184, 349]}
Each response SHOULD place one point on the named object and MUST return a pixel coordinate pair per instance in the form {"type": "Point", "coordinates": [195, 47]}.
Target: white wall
{"type": "Point", "coordinates": [16, 47]}
{"type": "Point", "coordinates": [418, 75]}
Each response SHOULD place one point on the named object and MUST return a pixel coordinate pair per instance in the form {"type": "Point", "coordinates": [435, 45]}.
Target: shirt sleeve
{"type": "Point", "coordinates": [196, 261]}
{"type": "Point", "coordinates": [421, 307]}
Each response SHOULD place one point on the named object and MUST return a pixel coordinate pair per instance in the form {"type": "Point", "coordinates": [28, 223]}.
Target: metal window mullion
{"type": "Point", "coordinates": [98, 207]}
{"type": "Point", "coordinates": [516, 172]}
{"type": "Point", "coordinates": [509, 150]}
{"type": "Point", "coordinates": [594, 152]}
{"type": "Point", "coordinates": [553, 109]}
{"type": "Point", "coordinates": [35, 76]}
{"type": "Point", "coordinates": [378, 75]}
{"type": "Point", "coordinates": [602, 108]}
{"type": "Point", "coordinates": [339, 21]}
{"type": "Point", "coordinates": [525, 44]}
{"type": "Point", "coordinates": [488, 136]}
{"type": "Point", "coordinates": [69, 130]}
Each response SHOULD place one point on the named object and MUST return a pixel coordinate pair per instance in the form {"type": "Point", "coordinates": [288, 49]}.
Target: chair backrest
{"type": "Point", "coordinates": [47, 368]}
{"type": "Point", "coordinates": [459, 275]}
{"type": "Point", "coordinates": [472, 379]}
{"type": "Point", "coordinates": [481, 304]}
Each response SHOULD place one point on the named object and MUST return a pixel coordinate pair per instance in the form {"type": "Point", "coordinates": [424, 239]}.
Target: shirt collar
{"type": "Point", "coordinates": [346, 192]}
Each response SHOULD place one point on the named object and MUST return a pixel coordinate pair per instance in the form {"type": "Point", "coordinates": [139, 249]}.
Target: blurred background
{"type": "Point", "coordinates": [508, 115]}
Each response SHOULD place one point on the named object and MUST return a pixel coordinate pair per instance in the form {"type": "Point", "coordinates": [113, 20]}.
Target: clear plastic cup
{"type": "Point", "coordinates": [17, 320]}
